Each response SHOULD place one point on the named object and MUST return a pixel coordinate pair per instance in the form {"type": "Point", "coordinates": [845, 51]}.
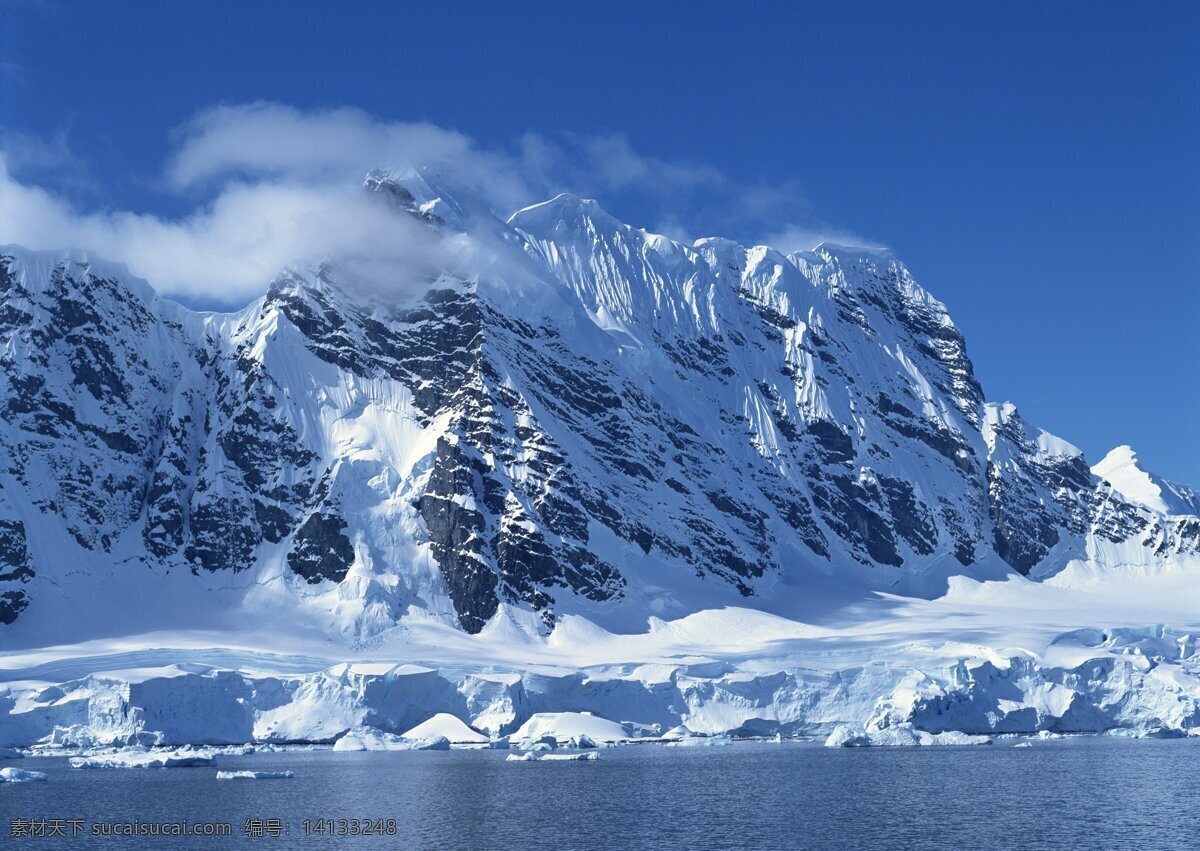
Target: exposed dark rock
{"type": "Point", "coordinates": [835, 444]}
{"type": "Point", "coordinates": [320, 549]}
{"type": "Point", "coordinates": [456, 534]}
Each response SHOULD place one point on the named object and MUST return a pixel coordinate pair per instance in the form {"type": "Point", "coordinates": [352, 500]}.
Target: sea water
{"type": "Point", "coordinates": [1092, 792]}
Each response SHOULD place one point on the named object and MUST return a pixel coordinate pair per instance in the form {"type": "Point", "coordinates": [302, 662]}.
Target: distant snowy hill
{"type": "Point", "coordinates": [609, 424]}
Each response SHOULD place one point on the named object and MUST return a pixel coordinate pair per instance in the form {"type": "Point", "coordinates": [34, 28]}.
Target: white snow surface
{"type": "Point", "coordinates": [20, 775]}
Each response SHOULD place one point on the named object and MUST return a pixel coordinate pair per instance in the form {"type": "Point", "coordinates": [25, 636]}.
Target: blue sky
{"type": "Point", "coordinates": [1034, 164]}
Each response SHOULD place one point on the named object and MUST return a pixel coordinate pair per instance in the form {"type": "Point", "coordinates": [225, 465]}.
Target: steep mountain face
{"type": "Point", "coordinates": [608, 423]}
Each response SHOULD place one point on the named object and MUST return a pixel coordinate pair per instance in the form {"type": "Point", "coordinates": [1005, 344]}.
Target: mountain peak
{"type": "Point", "coordinates": [844, 250]}
{"type": "Point", "coordinates": [427, 194]}
{"type": "Point", "coordinates": [1122, 469]}
{"type": "Point", "coordinates": [564, 208]}
{"type": "Point", "coordinates": [35, 267]}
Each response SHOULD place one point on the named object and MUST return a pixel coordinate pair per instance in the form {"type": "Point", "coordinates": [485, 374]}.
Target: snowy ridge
{"type": "Point", "coordinates": [602, 427]}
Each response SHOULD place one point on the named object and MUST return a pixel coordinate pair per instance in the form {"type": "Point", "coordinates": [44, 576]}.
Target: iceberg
{"type": "Point", "coordinates": [545, 743]}
{"type": "Point", "coordinates": [449, 727]}
{"type": "Point", "coordinates": [848, 736]}
{"type": "Point", "coordinates": [370, 739]}
{"type": "Point", "coordinates": [146, 759]}
{"type": "Point", "coordinates": [701, 741]}
{"type": "Point", "coordinates": [20, 775]}
{"type": "Point", "coordinates": [541, 756]}
{"type": "Point", "coordinates": [563, 726]}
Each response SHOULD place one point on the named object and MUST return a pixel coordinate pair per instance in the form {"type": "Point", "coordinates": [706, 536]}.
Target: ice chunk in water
{"type": "Point", "coordinates": [255, 775]}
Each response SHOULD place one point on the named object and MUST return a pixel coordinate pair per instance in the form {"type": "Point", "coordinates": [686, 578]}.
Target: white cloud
{"type": "Point", "coordinates": [276, 186]}
{"type": "Point", "coordinates": [230, 249]}
{"type": "Point", "coordinates": [273, 141]}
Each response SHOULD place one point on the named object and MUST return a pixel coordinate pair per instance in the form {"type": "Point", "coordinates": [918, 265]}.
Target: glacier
{"type": "Point", "coordinates": [707, 487]}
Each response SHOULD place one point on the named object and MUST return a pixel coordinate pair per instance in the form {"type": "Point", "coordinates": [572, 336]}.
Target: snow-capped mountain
{"type": "Point", "coordinates": [606, 423]}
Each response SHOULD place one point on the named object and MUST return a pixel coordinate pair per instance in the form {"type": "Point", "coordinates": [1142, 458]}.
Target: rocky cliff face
{"type": "Point", "coordinates": [625, 426]}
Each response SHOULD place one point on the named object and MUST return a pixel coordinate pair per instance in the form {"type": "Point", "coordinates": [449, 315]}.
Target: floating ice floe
{"type": "Point", "coordinates": [1162, 732]}
{"type": "Point", "coordinates": [20, 775]}
{"type": "Point", "coordinates": [449, 727]}
{"type": "Point", "coordinates": [370, 739]}
{"type": "Point", "coordinates": [848, 736]}
{"type": "Point", "coordinates": [255, 775]}
{"type": "Point", "coordinates": [701, 742]}
{"type": "Point", "coordinates": [542, 756]}
{"type": "Point", "coordinates": [146, 759]}
{"type": "Point", "coordinates": [270, 747]}
{"type": "Point", "coordinates": [564, 726]}
{"type": "Point", "coordinates": [1022, 745]}
{"type": "Point", "coordinates": [233, 750]}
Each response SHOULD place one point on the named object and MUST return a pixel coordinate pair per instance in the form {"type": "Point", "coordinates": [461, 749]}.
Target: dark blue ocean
{"type": "Point", "coordinates": [1073, 793]}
